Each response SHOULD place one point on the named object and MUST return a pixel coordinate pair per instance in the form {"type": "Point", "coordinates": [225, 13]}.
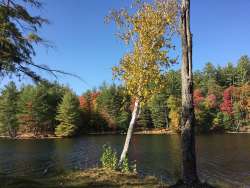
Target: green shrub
{"type": "Point", "coordinates": [125, 165]}
{"type": "Point", "coordinates": [109, 158]}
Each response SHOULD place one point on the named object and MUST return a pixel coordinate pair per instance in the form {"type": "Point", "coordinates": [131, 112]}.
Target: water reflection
{"type": "Point", "coordinates": [222, 157]}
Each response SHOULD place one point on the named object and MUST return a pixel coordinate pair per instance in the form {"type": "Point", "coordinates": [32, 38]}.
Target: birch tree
{"type": "Point", "coordinates": [148, 30]}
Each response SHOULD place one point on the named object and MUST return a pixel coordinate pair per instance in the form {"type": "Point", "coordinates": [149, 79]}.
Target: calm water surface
{"type": "Point", "coordinates": [220, 157]}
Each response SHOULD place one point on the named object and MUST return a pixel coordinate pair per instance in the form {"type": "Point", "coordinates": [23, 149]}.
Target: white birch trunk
{"type": "Point", "coordinates": [135, 115]}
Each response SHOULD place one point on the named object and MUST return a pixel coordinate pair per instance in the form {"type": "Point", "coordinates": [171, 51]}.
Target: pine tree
{"type": "Point", "coordinates": [158, 109]}
{"type": "Point", "coordinates": [112, 104]}
{"type": "Point", "coordinates": [8, 110]}
{"type": "Point", "coordinates": [68, 115]}
{"type": "Point", "coordinates": [26, 115]}
{"type": "Point", "coordinates": [145, 119]}
{"type": "Point", "coordinates": [34, 113]}
{"type": "Point", "coordinates": [18, 34]}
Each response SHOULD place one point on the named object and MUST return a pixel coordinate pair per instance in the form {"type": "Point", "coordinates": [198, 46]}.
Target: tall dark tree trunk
{"type": "Point", "coordinates": [189, 171]}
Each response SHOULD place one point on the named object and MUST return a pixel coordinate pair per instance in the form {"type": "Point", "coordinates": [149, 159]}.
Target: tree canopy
{"type": "Point", "coordinates": [148, 31]}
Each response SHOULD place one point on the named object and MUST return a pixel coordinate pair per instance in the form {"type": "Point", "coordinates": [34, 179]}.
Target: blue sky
{"type": "Point", "coordinates": [86, 46]}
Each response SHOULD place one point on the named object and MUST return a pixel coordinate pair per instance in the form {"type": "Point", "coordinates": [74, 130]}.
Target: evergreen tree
{"type": "Point", "coordinates": [123, 119]}
{"type": "Point", "coordinates": [144, 119]}
{"type": "Point", "coordinates": [173, 84]}
{"type": "Point", "coordinates": [243, 70]}
{"type": "Point", "coordinates": [41, 109]}
{"type": "Point", "coordinates": [26, 115]}
{"type": "Point", "coordinates": [158, 109]}
{"type": "Point", "coordinates": [54, 95]}
{"type": "Point", "coordinates": [18, 34]}
{"type": "Point", "coordinates": [112, 104]}
{"type": "Point", "coordinates": [37, 107]}
{"type": "Point", "coordinates": [68, 115]}
{"type": "Point", "coordinates": [8, 110]}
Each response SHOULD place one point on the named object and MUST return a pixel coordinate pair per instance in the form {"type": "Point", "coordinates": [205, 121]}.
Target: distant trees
{"type": "Point", "coordinates": [68, 115]}
{"type": "Point", "coordinates": [8, 110]}
{"type": "Point", "coordinates": [159, 110]}
{"type": "Point", "coordinates": [174, 106]}
{"type": "Point", "coordinates": [91, 118]}
{"type": "Point", "coordinates": [26, 110]}
{"type": "Point", "coordinates": [32, 109]}
{"type": "Point", "coordinates": [37, 107]}
{"type": "Point", "coordinates": [113, 104]}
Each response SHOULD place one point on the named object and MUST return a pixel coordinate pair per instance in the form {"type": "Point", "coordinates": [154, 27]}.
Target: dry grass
{"type": "Point", "coordinates": [89, 178]}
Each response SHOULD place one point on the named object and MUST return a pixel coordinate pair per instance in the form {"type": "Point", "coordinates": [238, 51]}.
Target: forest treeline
{"type": "Point", "coordinates": [221, 100]}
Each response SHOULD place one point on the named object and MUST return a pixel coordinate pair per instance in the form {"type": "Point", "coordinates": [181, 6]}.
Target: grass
{"type": "Point", "coordinates": [97, 177]}
{"type": "Point", "coordinates": [89, 178]}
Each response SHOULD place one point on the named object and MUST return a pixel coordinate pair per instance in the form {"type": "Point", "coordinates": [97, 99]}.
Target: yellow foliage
{"type": "Point", "coordinates": [174, 117]}
{"type": "Point", "coordinates": [150, 30]}
{"type": "Point", "coordinates": [174, 113]}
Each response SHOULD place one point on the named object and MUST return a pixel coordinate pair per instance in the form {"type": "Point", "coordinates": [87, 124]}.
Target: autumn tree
{"type": "Point", "coordinates": [174, 105]}
{"type": "Point", "coordinates": [241, 106]}
{"type": "Point", "coordinates": [92, 119]}
{"type": "Point", "coordinates": [205, 112]}
{"type": "Point", "coordinates": [148, 30]}
{"type": "Point", "coordinates": [189, 169]}
{"type": "Point", "coordinates": [227, 105]}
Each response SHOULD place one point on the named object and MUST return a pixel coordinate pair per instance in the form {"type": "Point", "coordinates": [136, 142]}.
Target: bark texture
{"type": "Point", "coordinates": [189, 170]}
{"type": "Point", "coordinates": [135, 115]}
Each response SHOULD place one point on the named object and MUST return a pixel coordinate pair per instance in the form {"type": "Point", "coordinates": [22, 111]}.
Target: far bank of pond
{"type": "Point", "coordinates": [155, 131]}
{"type": "Point", "coordinates": [147, 131]}
{"type": "Point", "coordinates": [224, 158]}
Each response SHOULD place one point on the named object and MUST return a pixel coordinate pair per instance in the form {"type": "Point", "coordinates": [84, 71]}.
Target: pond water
{"type": "Point", "coordinates": [220, 157]}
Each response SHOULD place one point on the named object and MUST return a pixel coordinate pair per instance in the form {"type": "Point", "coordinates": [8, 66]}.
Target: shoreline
{"type": "Point", "coordinates": [50, 136]}
{"type": "Point", "coordinates": [137, 132]}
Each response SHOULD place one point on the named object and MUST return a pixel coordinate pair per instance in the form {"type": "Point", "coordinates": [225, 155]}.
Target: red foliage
{"type": "Point", "coordinates": [198, 97]}
{"type": "Point", "coordinates": [211, 100]}
{"type": "Point", "coordinates": [227, 105]}
{"type": "Point", "coordinates": [94, 96]}
{"type": "Point", "coordinates": [88, 102]}
{"type": "Point", "coordinates": [82, 102]}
